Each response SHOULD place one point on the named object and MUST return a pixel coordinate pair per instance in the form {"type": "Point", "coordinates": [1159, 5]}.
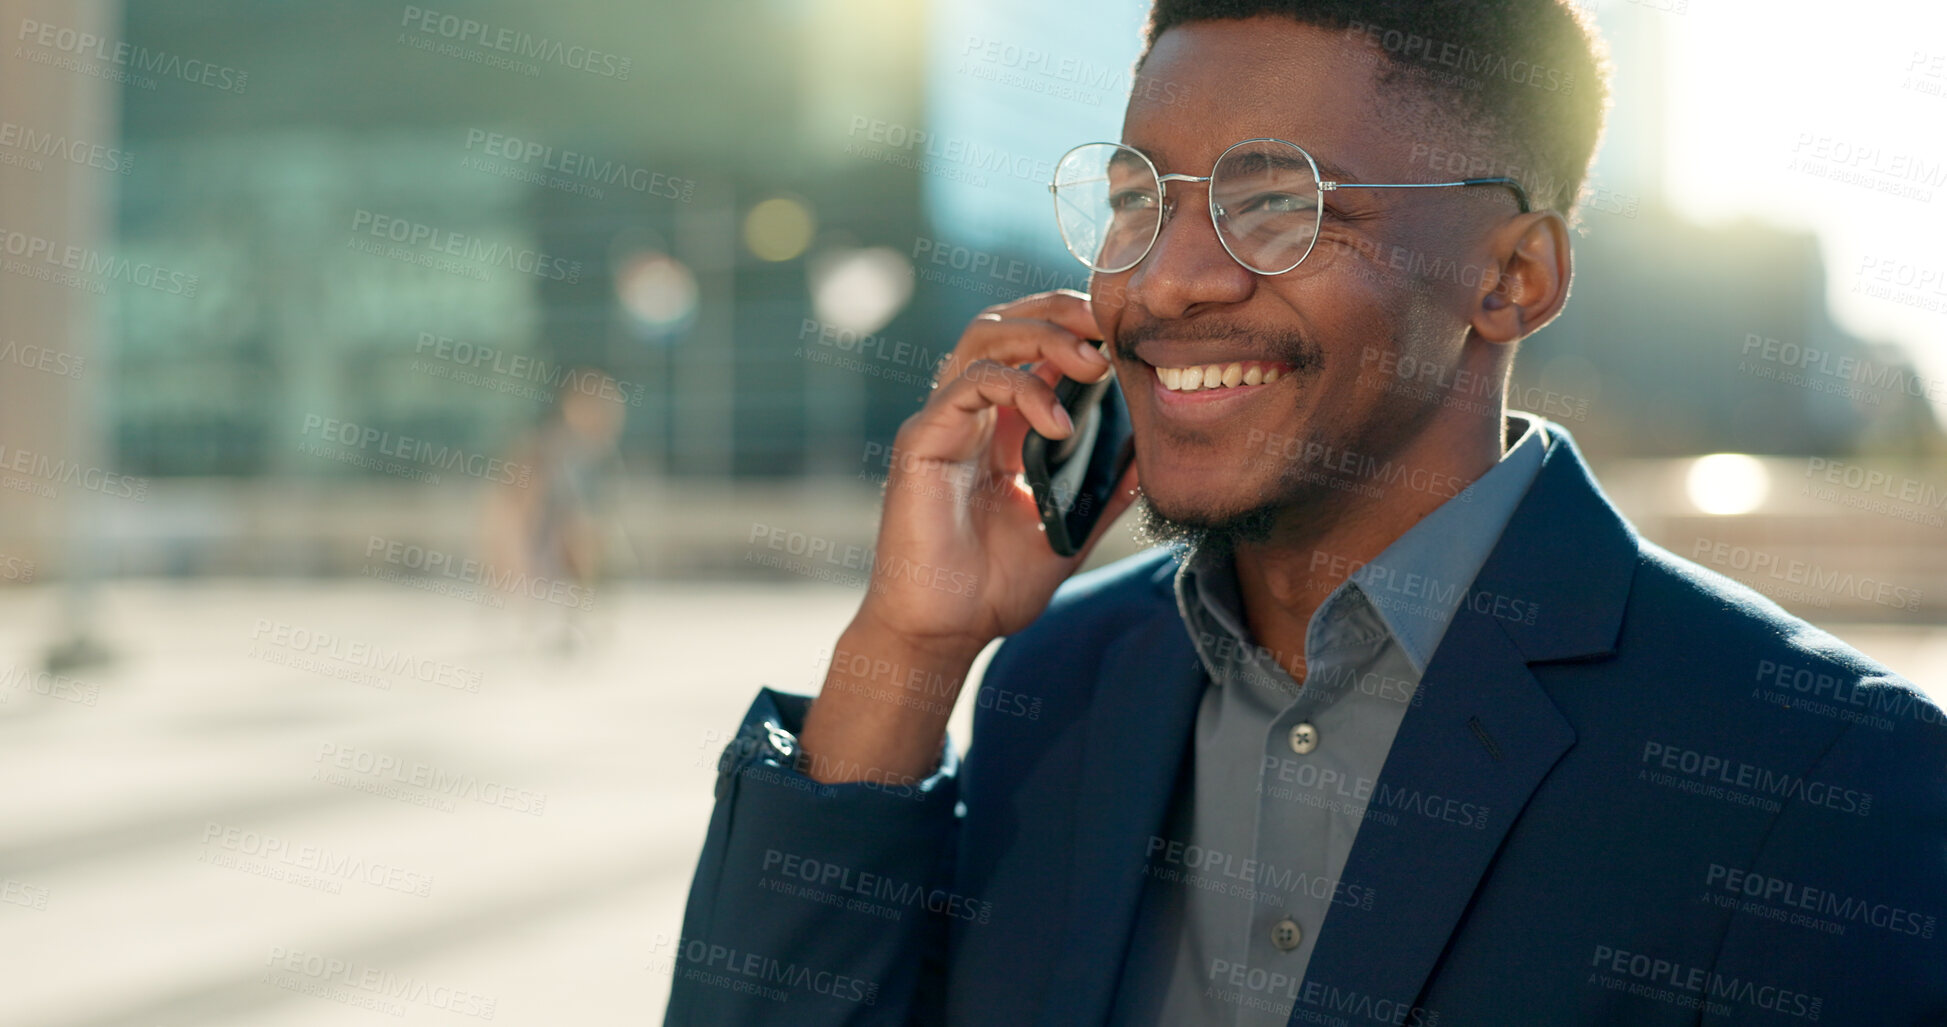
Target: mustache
{"type": "Point", "coordinates": [1282, 344]}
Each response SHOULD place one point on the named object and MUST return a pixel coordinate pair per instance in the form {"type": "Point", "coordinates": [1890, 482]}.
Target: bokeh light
{"type": "Point", "coordinates": [657, 290]}
{"type": "Point", "coordinates": [779, 228]}
{"type": "Point", "coordinates": [1727, 484]}
{"type": "Point", "coordinates": [860, 290]}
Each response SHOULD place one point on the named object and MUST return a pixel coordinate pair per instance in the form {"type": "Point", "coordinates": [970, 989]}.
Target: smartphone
{"type": "Point", "coordinates": [1073, 478]}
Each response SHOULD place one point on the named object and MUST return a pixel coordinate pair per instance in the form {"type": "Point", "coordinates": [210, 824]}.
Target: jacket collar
{"type": "Point", "coordinates": [1484, 737]}
{"type": "Point", "coordinates": [1569, 552]}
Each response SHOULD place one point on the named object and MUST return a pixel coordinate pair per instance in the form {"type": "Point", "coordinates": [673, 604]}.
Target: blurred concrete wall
{"type": "Point", "coordinates": [45, 208]}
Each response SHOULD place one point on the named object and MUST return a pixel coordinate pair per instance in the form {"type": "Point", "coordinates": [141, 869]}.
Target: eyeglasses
{"type": "Point", "coordinates": [1264, 200]}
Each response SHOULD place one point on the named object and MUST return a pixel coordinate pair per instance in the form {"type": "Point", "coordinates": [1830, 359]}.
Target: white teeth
{"type": "Point", "coordinates": [1214, 376]}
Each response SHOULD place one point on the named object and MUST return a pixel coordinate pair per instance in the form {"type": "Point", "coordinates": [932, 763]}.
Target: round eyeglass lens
{"type": "Point", "coordinates": [1108, 205]}
{"type": "Point", "coordinates": [1264, 200]}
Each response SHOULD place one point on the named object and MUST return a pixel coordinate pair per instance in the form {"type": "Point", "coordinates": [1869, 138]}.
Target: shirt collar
{"type": "Point", "coordinates": [1419, 582]}
{"type": "Point", "coordinates": [1415, 585]}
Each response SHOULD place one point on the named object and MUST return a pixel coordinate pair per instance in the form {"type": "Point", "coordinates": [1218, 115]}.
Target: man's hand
{"type": "Point", "coordinates": [961, 557]}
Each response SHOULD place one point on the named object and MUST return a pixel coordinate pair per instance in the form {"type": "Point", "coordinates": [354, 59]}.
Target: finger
{"type": "Point", "coordinates": [1004, 457]}
{"type": "Point", "coordinates": [1004, 454]}
{"type": "Point", "coordinates": [1050, 372]}
{"type": "Point", "coordinates": [1066, 307]}
{"type": "Point", "coordinates": [954, 422]}
{"type": "Point", "coordinates": [1011, 430]}
{"type": "Point", "coordinates": [1017, 341]}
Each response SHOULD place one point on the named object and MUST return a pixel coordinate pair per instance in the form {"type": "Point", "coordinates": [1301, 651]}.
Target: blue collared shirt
{"type": "Point", "coordinates": [1247, 871]}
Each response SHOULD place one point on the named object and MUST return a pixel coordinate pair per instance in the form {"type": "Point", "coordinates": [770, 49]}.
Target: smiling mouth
{"type": "Point", "coordinates": [1239, 374]}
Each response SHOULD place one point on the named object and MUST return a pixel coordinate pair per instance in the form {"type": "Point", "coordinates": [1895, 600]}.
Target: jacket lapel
{"type": "Point", "coordinates": [1460, 771]}
{"type": "Point", "coordinates": [1143, 711]}
{"type": "Point", "coordinates": [1485, 733]}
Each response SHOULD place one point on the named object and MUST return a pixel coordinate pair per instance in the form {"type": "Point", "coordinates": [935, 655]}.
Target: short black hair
{"type": "Point", "coordinates": [1513, 88]}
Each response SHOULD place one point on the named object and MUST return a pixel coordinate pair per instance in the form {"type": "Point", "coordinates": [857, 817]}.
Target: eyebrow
{"type": "Point", "coordinates": [1326, 169]}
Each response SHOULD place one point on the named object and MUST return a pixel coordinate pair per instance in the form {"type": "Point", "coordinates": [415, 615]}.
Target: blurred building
{"type": "Point", "coordinates": [767, 221]}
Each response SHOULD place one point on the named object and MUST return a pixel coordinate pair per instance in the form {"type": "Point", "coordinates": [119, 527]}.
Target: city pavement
{"type": "Point", "coordinates": [287, 804]}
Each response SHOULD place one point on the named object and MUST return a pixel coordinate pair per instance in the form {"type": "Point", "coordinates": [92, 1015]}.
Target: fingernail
{"type": "Point", "coordinates": [1090, 353]}
{"type": "Point", "coordinates": [1061, 414]}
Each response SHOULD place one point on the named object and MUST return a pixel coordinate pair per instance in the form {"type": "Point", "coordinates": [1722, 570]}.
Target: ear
{"type": "Point", "coordinates": [1532, 255]}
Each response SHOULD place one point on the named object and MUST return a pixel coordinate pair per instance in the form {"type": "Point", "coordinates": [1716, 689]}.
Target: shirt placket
{"type": "Point", "coordinates": [1300, 761]}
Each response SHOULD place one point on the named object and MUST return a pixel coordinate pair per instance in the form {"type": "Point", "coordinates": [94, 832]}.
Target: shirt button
{"type": "Point", "coordinates": [1286, 935]}
{"type": "Point", "coordinates": [1304, 738]}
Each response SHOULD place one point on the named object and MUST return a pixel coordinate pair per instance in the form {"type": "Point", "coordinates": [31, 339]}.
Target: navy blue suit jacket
{"type": "Point", "coordinates": [1664, 801]}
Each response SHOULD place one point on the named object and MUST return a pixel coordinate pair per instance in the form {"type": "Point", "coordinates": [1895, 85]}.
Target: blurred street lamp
{"type": "Point", "coordinates": [860, 290]}
{"type": "Point", "coordinates": [1727, 484]}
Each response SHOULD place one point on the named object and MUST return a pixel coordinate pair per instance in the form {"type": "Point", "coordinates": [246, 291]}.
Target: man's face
{"type": "Point", "coordinates": [1335, 326]}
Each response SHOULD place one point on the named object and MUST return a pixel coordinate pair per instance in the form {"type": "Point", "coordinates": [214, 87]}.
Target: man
{"type": "Point", "coordinates": [1410, 727]}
